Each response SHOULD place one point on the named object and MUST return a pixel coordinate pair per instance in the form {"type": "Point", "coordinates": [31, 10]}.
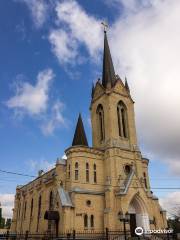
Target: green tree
{"type": "Point", "coordinates": [2, 225]}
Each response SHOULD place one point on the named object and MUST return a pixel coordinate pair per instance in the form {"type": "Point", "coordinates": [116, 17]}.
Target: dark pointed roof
{"type": "Point", "coordinates": [80, 135]}
{"type": "Point", "coordinates": [126, 85]}
{"type": "Point", "coordinates": [108, 74]}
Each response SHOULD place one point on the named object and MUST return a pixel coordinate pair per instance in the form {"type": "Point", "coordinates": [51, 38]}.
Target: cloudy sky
{"type": "Point", "coordinates": [51, 52]}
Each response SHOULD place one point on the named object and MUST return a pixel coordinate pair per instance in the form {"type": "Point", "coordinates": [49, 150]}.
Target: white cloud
{"type": "Point", "coordinates": [7, 203]}
{"type": "Point", "coordinates": [64, 48]}
{"type": "Point", "coordinates": [171, 203]}
{"type": "Point", "coordinates": [82, 29]}
{"type": "Point", "coordinates": [64, 157]}
{"type": "Point", "coordinates": [130, 5]}
{"type": "Point", "coordinates": [42, 164]}
{"type": "Point", "coordinates": [174, 165]}
{"type": "Point", "coordinates": [39, 11]}
{"type": "Point", "coordinates": [32, 99]}
{"type": "Point", "coordinates": [145, 47]}
{"type": "Point", "coordinates": [55, 120]}
{"type": "Point", "coordinates": [85, 28]}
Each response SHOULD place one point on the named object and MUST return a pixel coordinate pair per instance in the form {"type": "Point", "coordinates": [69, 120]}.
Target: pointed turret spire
{"type": "Point", "coordinates": [80, 135]}
{"type": "Point", "coordinates": [108, 74]}
{"type": "Point", "coordinates": [126, 85]}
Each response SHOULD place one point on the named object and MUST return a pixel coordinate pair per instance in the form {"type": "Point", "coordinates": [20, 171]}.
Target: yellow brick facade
{"type": "Point", "coordinates": [95, 183]}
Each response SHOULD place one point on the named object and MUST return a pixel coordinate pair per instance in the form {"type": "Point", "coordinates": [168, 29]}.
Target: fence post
{"type": "Point", "coordinates": [107, 234]}
{"type": "Point", "coordinates": [7, 235]}
{"type": "Point", "coordinates": [68, 235]}
{"type": "Point", "coordinates": [26, 235]}
{"type": "Point", "coordinates": [74, 234]}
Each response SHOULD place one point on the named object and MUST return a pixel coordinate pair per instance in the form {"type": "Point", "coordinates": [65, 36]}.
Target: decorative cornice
{"type": "Point", "coordinates": [83, 149]}
{"type": "Point", "coordinates": [84, 191]}
{"type": "Point", "coordinates": [108, 92]}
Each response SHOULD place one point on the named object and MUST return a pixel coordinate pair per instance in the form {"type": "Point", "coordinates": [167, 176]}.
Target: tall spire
{"type": "Point", "coordinates": [80, 135]}
{"type": "Point", "coordinates": [108, 74]}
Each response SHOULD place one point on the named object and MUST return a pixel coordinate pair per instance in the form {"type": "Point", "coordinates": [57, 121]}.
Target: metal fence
{"type": "Point", "coordinates": [87, 235]}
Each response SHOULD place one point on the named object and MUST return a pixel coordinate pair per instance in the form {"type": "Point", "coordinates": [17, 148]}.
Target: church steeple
{"type": "Point", "coordinates": [112, 110]}
{"type": "Point", "coordinates": [108, 73]}
{"type": "Point", "coordinates": [80, 135]}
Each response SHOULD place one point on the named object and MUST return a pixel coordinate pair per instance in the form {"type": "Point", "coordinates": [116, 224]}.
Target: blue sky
{"type": "Point", "coordinates": [56, 49]}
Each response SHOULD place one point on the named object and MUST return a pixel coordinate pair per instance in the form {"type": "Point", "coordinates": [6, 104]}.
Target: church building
{"type": "Point", "coordinates": [97, 185]}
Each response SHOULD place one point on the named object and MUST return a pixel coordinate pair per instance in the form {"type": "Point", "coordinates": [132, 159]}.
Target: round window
{"type": "Point", "coordinates": [88, 203]}
{"type": "Point", "coordinates": [127, 169]}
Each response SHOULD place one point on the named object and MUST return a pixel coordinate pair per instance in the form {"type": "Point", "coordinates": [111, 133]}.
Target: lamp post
{"type": "Point", "coordinates": [125, 219]}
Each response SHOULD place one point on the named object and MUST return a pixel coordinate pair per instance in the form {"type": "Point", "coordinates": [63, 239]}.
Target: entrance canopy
{"type": "Point", "coordinates": [51, 215]}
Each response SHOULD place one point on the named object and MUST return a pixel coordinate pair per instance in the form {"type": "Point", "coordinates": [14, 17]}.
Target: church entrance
{"type": "Point", "coordinates": [53, 222]}
{"type": "Point", "coordinates": [138, 215]}
{"type": "Point", "coordinates": [132, 224]}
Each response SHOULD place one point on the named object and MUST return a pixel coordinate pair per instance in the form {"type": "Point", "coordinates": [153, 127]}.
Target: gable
{"type": "Point", "coordinates": [99, 90]}
{"type": "Point", "coordinates": [120, 88]}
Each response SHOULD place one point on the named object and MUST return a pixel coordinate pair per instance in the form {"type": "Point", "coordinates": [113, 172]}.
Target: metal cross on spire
{"type": "Point", "coordinates": [105, 26]}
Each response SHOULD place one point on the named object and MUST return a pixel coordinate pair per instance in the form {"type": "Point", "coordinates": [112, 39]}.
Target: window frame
{"type": "Point", "coordinates": [101, 125]}
{"type": "Point", "coordinates": [76, 171]}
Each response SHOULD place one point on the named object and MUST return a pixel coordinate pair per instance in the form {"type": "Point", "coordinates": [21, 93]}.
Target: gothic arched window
{"type": "Point", "coordinates": [95, 175]}
{"type": "Point", "coordinates": [122, 119]}
{"type": "Point", "coordinates": [92, 221]}
{"type": "Point", "coordinates": [51, 201]}
{"type": "Point", "coordinates": [76, 171]}
{"type": "Point", "coordinates": [85, 220]}
{"type": "Point", "coordinates": [100, 114]}
{"type": "Point", "coordinates": [87, 172]}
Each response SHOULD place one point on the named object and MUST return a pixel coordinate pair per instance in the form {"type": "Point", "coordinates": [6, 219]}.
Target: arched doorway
{"type": "Point", "coordinates": [138, 214]}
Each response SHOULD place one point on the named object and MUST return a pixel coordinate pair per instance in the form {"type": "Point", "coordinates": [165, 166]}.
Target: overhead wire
{"type": "Point", "coordinates": [16, 173]}
{"type": "Point", "coordinates": [32, 176]}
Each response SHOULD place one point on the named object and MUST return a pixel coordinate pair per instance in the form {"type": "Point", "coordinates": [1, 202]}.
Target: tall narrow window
{"type": "Point", "coordinates": [145, 181]}
{"type": "Point", "coordinates": [39, 212]}
{"type": "Point", "coordinates": [25, 207]}
{"type": "Point", "coordinates": [85, 220]}
{"type": "Point", "coordinates": [95, 175]}
{"type": "Point", "coordinates": [122, 120]}
{"type": "Point", "coordinates": [69, 171]}
{"type": "Point", "coordinates": [100, 114]}
{"type": "Point", "coordinates": [87, 172]}
{"type": "Point", "coordinates": [32, 203]}
{"type": "Point", "coordinates": [51, 201]}
{"type": "Point", "coordinates": [92, 221]}
{"type": "Point", "coordinates": [19, 212]}
{"type": "Point", "coordinates": [76, 171]}
{"type": "Point", "coordinates": [119, 121]}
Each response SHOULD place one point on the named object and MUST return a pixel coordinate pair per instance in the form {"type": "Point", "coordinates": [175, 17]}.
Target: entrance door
{"type": "Point", "coordinates": [132, 224]}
